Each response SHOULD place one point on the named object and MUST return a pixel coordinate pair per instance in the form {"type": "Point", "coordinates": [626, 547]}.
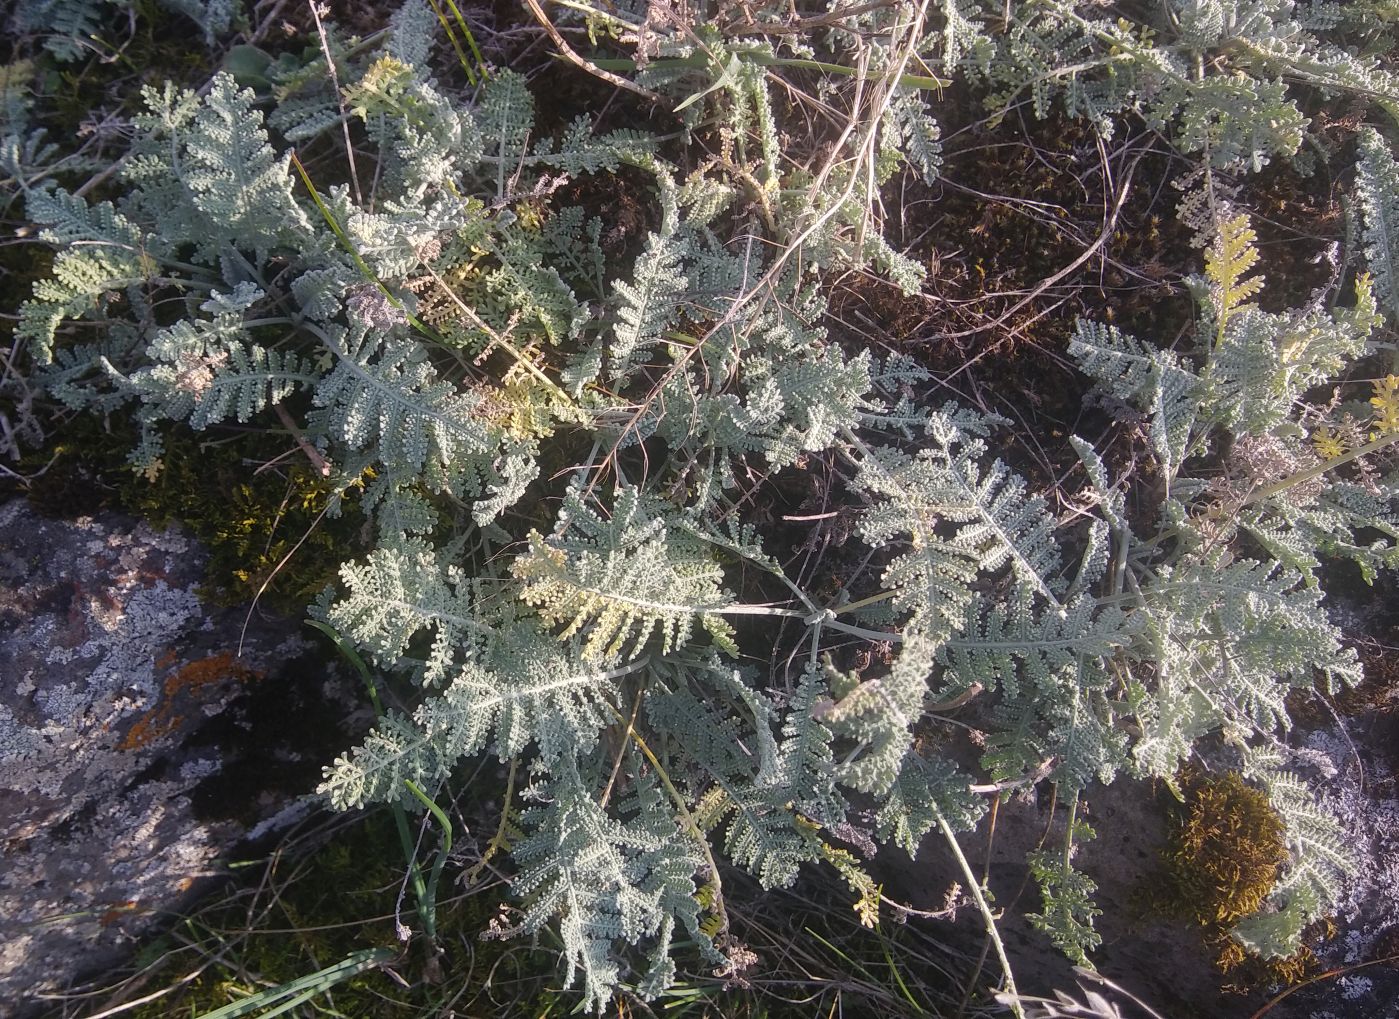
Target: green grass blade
{"type": "Point", "coordinates": [303, 988]}
{"type": "Point", "coordinates": [353, 657]}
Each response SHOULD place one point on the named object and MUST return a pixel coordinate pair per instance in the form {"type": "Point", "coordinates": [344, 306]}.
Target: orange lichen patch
{"type": "Point", "coordinates": [145, 732]}
{"type": "Point", "coordinates": [188, 683]}
{"type": "Point", "coordinates": [207, 671]}
{"type": "Point", "coordinates": [114, 914]}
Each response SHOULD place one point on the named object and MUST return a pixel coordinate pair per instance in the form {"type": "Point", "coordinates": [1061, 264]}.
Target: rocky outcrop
{"type": "Point", "coordinates": [143, 734]}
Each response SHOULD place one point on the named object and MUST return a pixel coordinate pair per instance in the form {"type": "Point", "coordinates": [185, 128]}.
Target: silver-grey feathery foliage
{"type": "Point", "coordinates": [550, 441]}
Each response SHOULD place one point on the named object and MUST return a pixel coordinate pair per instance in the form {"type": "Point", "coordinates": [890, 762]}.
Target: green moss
{"type": "Point", "coordinates": [264, 525]}
{"type": "Point", "coordinates": [249, 496]}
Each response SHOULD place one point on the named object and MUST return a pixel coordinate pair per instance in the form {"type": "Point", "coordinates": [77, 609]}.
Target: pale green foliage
{"type": "Point", "coordinates": [402, 590]}
{"type": "Point", "coordinates": [996, 525]}
{"type": "Point", "coordinates": [411, 31]}
{"type": "Point", "coordinates": [68, 24]}
{"type": "Point", "coordinates": [1153, 380]}
{"type": "Point", "coordinates": [27, 154]}
{"type": "Point", "coordinates": [1050, 670]}
{"type": "Point", "coordinates": [1221, 76]}
{"type": "Point", "coordinates": [1344, 520]}
{"type": "Point", "coordinates": [1260, 365]}
{"type": "Point", "coordinates": [738, 798]}
{"type": "Point", "coordinates": [1068, 912]}
{"type": "Point", "coordinates": [1226, 636]}
{"type": "Point", "coordinates": [1230, 639]}
{"type": "Point", "coordinates": [924, 789]}
{"type": "Point", "coordinates": [522, 688]}
{"type": "Point", "coordinates": [109, 258]}
{"type": "Point", "coordinates": [622, 580]}
{"type": "Point", "coordinates": [1249, 377]}
{"type": "Point", "coordinates": [560, 450]}
{"type": "Point", "coordinates": [914, 132]}
{"type": "Point", "coordinates": [647, 305]}
{"type": "Point", "coordinates": [1318, 864]}
{"type": "Point", "coordinates": [605, 879]}
{"type": "Point", "coordinates": [505, 115]}
{"type": "Point", "coordinates": [384, 395]}
{"type": "Point", "coordinates": [879, 714]}
{"type": "Point", "coordinates": [1377, 190]}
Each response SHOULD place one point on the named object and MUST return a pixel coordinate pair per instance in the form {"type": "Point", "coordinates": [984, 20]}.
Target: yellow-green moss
{"type": "Point", "coordinates": [250, 518]}
{"type": "Point", "coordinates": [1224, 853]}
{"type": "Point", "coordinates": [1225, 850]}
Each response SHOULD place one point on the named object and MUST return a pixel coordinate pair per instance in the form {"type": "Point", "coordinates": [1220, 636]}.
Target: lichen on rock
{"type": "Point", "coordinates": [114, 672]}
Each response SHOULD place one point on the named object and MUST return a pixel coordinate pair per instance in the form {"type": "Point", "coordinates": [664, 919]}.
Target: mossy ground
{"type": "Point", "coordinates": [250, 496]}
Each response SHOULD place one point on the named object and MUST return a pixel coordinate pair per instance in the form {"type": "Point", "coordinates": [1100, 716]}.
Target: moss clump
{"type": "Point", "coordinates": [1225, 850]}
{"type": "Point", "coordinates": [266, 529]}
{"type": "Point", "coordinates": [1223, 856]}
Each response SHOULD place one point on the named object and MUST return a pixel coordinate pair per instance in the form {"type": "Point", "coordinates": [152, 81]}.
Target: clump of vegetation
{"type": "Point", "coordinates": [1226, 851]}
{"type": "Point", "coordinates": [565, 436]}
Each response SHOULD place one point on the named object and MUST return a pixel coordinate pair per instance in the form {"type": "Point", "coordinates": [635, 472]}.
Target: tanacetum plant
{"type": "Point", "coordinates": [552, 441]}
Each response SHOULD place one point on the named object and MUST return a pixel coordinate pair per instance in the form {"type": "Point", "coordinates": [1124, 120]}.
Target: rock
{"type": "Point", "coordinates": [143, 735]}
{"type": "Point", "coordinates": [1355, 770]}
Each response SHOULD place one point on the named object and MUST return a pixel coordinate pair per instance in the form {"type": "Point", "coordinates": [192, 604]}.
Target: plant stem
{"type": "Point", "coordinates": [452, 38]}
{"type": "Point", "coordinates": [974, 887]}
{"type": "Point", "coordinates": [501, 839]}
{"type": "Point", "coordinates": [873, 599]}
{"type": "Point", "coordinates": [428, 903]}
{"type": "Point", "coordinates": [1320, 469]}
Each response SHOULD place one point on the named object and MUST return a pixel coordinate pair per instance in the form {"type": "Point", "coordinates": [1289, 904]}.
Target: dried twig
{"type": "Point", "coordinates": [571, 55]}
{"type": "Point", "coordinates": [312, 454]}
{"type": "Point", "coordinates": [315, 8]}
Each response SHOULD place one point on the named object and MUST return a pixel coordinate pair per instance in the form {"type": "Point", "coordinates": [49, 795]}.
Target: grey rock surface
{"type": "Point", "coordinates": [128, 759]}
{"type": "Point", "coordinates": [1355, 770]}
